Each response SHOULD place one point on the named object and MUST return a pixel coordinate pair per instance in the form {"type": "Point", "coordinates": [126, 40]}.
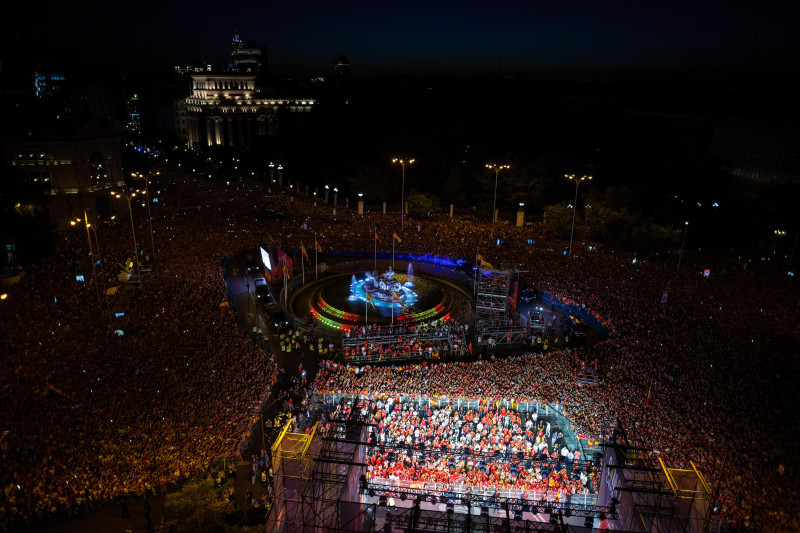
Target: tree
{"type": "Point", "coordinates": [629, 230]}
{"type": "Point", "coordinates": [529, 182]}
{"type": "Point", "coordinates": [199, 507]}
{"type": "Point", "coordinates": [372, 180]}
{"type": "Point", "coordinates": [454, 188]}
{"type": "Point", "coordinates": [558, 218]}
{"type": "Point", "coordinates": [605, 224]}
{"type": "Point", "coordinates": [422, 204]}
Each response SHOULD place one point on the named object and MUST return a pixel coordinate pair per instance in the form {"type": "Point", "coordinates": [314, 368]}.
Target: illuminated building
{"type": "Point", "coordinates": [132, 106]}
{"type": "Point", "coordinates": [47, 84]}
{"type": "Point", "coordinates": [196, 68]}
{"type": "Point", "coordinates": [246, 58]}
{"type": "Point", "coordinates": [228, 110]}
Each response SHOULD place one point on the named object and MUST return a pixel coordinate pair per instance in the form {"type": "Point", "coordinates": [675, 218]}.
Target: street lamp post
{"type": "Point", "coordinates": [149, 216]}
{"type": "Point", "coordinates": [129, 197]}
{"type": "Point", "coordinates": [403, 163]}
{"type": "Point", "coordinates": [497, 168]}
{"type": "Point", "coordinates": [685, 230]}
{"type": "Point", "coordinates": [575, 203]}
{"type": "Point", "coordinates": [91, 252]}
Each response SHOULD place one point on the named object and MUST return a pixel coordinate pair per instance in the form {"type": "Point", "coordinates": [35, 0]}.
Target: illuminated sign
{"type": "Point", "coordinates": [265, 259]}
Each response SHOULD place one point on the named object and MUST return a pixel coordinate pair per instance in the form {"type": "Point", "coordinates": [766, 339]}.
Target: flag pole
{"type": "Point", "coordinates": [316, 257]}
{"type": "Point", "coordinates": [375, 236]}
{"type": "Point", "coordinates": [393, 239]}
{"type": "Point", "coordinates": [476, 271]}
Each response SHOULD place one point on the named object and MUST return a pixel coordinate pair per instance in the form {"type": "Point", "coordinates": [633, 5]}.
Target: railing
{"type": "Point", "coordinates": [413, 356]}
{"type": "Point", "coordinates": [587, 315]}
{"type": "Point", "coordinates": [464, 491]}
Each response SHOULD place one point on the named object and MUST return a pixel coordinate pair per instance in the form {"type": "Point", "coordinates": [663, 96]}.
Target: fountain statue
{"type": "Point", "coordinates": [383, 287]}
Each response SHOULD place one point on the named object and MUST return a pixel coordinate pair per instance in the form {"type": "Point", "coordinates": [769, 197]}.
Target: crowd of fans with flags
{"type": "Point", "coordinates": [686, 376]}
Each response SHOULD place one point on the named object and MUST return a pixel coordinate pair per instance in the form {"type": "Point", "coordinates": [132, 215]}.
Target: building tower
{"type": "Point", "coordinates": [246, 58]}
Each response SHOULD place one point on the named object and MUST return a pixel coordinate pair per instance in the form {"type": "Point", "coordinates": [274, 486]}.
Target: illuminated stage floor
{"type": "Point", "coordinates": [340, 301]}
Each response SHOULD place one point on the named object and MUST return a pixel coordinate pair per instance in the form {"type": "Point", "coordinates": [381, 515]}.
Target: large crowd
{"type": "Point", "coordinates": [709, 376]}
{"type": "Point", "coordinates": [482, 447]}
{"type": "Point", "coordinates": [84, 410]}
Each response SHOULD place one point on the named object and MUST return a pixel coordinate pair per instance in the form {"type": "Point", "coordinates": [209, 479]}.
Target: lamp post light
{"type": "Point", "coordinates": [85, 221]}
{"type": "Point", "coordinates": [149, 216]}
{"type": "Point", "coordinates": [575, 203]}
{"type": "Point", "coordinates": [129, 197]}
{"type": "Point", "coordinates": [685, 230]}
{"type": "Point", "coordinates": [497, 168]}
{"type": "Point", "coordinates": [403, 163]}
{"type": "Point", "coordinates": [327, 189]}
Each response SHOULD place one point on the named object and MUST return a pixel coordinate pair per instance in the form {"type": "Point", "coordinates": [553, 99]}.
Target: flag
{"type": "Point", "coordinates": [303, 250]}
{"type": "Point", "coordinates": [377, 237]}
{"type": "Point", "coordinates": [52, 388]}
{"type": "Point", "coordinates": [285, 269]}
{"type": "Point", "coordinates": [648, 395]}
{"type": "Point", "coordinates": [369, 297]}
{"type": "Point", "coordinates": [398, 239]}
{"type": "Point", "coordinates": [396, 297]}
{"type": "Point", "coordinates": [484, 264]}
{"type": "Point", "coordinates": [317, 247]}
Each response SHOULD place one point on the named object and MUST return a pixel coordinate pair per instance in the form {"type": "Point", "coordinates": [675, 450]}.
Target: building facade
{"type": "Point", "coordinates": [228, 110]}
{"type": "Point", "coordinates": [76, 171]}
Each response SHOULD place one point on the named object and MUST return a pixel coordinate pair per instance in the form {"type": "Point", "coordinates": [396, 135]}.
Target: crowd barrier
{"type": "Point", "coordinates": [591, 318]}
{"type": "Point", "coordinates": [463, 491]}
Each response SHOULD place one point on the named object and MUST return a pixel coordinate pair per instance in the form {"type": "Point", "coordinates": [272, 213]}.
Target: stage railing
{"type": "Point", "coordinates": [422, 334]}
{"type": "Point", "coordinates": [463, 491]}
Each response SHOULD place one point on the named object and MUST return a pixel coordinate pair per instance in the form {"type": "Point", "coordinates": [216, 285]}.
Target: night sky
{"type": "Point", "coordinates": [415, 37]}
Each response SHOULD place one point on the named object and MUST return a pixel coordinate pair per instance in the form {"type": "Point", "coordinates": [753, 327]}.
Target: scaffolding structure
{"type": "Point", "coordinates": [655, 498]}
{"type": "Point", "coordinates": [491, 299]}
{"type": "Point", "coordinates": [291, 462]}
{"type": "Point", "coordinates": [321, 486]}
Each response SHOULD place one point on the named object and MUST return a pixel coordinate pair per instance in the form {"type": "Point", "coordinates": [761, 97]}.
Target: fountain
{"type": "Point", "coordinates": [410, 282]}
{"type": "Point", "coordinates": [353, 289]}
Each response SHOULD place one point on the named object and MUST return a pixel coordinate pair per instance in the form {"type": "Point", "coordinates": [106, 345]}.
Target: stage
{"type": "Point", "coordinates": [360, 297]}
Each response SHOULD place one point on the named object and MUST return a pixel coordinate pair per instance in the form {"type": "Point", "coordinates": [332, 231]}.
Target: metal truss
{"type": "Point", "coordinates": [291, 463]}
{"type": "Point", "coordinates": [425, 521]}
{"type": "Point", "coordinates": [491, 300]}
{"type": "Point", "coordinates": [666, 499]}
{"type": "Point", "coordinates": [509, 334]}
{"type": "Point", "coordinates": [399, 356]}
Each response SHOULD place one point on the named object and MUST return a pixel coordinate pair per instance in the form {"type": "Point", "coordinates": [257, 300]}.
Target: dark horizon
{"type": "Point", "coordinates": [467, 38]}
